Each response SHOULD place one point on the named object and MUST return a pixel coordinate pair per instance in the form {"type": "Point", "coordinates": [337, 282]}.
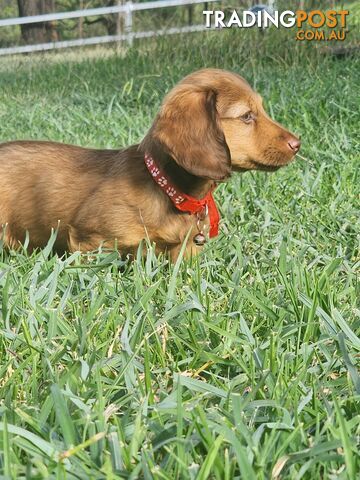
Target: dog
{"type": "Point", "coordinates": [209, 125]}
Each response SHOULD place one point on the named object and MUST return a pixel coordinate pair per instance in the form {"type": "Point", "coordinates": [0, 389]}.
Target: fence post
{"type": "Point", "coordinates": [119, 22]}
{"type": "Point", "coordinates": [129, 22]}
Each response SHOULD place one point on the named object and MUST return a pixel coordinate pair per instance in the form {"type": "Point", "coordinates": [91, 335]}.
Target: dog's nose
{"type": "Point", "coordinates": [294, 144]}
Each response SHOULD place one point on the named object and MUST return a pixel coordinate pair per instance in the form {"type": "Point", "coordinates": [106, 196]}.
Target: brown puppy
{"type": "Point", "coordinates": [210, 124]}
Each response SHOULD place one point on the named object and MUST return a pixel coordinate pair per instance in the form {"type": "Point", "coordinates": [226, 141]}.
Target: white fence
{"type": "Point", "coordinates": [126, 10]}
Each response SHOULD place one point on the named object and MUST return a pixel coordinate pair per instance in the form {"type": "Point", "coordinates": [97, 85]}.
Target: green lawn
{"type": "Point", "coordinates": [240, 364]}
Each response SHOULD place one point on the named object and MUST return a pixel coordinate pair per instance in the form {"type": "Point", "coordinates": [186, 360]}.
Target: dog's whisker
{"type": "Point", "coordinates": [304, 158]}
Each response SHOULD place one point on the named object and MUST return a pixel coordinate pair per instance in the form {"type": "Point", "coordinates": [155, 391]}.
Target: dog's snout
{"type": "Point", "coordinates": [294, 144]}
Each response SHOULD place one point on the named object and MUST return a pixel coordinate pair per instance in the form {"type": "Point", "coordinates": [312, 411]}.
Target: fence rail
{"type": "Point", "coordinates": [129, 35]}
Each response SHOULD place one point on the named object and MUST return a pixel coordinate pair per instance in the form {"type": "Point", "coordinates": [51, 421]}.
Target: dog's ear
{"type": "Point", "coordinates": [188, 129]}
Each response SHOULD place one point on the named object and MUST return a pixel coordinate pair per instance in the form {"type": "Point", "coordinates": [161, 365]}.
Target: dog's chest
{"type": "Point", "coordinates": [194, 227]}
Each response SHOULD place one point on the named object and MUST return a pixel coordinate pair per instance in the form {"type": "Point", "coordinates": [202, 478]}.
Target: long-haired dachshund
{"type": "Point", "coordinates": [210, 124]}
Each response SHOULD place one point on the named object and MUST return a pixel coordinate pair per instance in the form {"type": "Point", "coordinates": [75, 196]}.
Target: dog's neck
{"type": "Point", "coordinates": [190, 184]}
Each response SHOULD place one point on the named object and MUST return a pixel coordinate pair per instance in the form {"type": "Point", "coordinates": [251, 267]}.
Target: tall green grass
{"type": "Point", "coordinates": [242, 363]}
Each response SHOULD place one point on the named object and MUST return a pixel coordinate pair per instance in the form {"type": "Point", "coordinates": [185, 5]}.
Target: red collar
{"type": "Point", "coordinates": [185, 203]}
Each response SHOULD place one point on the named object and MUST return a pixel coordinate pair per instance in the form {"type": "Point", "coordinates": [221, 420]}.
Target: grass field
{"type": "Point", "coordinates": [242, 363]}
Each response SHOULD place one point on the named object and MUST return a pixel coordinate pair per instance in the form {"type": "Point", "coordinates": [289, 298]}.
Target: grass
{"type": "Point", "coordinates": [242, 363]}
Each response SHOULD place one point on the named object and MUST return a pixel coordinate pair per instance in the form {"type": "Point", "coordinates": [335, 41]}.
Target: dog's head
{"type": "Point", "coordinates": [212, 122]}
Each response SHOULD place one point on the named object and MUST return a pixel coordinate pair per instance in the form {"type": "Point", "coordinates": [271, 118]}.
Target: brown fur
{"type": "Point", "coordinates": [108, 197]}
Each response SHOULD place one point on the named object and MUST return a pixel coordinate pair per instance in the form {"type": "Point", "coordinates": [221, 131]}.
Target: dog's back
{"type": "Point", "coordinates": [43, 184]}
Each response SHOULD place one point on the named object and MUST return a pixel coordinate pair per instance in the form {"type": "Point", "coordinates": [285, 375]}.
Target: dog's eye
{"type": "Point", "coordinates": [248, 117]}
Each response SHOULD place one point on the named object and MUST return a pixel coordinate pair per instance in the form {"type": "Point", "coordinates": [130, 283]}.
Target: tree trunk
{"type": "Point", "coordinates": [33, 33]}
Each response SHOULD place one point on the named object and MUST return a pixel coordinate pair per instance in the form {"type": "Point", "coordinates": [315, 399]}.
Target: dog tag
{"type": "Point", "coordinates": [199, 239]}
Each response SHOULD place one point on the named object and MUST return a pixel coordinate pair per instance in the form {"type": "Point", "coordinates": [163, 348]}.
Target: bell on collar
{"type": "Point", "coordinates": [199, 239]}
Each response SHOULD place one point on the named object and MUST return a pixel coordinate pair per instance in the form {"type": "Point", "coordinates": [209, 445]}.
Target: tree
{"type": "Point", "coordinates": [37, 32]}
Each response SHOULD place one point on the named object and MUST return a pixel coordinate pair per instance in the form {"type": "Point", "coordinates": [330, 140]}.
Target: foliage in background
{"type": "Point", "coordinates": [242, 363]}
